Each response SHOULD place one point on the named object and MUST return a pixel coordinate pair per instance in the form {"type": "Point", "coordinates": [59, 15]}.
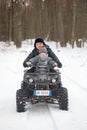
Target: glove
{"type": "Point", "coordinates": [56, 68]}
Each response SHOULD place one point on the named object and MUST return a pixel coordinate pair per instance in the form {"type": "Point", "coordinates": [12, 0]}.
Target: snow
{"type": "Point", "coordinates": [43, 116]}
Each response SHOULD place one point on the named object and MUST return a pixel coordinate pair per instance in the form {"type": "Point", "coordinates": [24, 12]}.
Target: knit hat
{"type": "Point", "coordinates": [43, 50]}
{"type": "Point", "coordinates": [39, 40]}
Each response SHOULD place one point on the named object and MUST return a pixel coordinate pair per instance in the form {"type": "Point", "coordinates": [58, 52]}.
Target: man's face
{"type": "Point", "coordinates": [39, 45]}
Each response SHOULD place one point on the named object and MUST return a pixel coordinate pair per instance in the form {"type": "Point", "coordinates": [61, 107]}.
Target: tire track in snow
{"type": "Point", "coordinates": [52, 118]}
{"type": "Point", "coordinates": [41, 116]}
{"type": "Point", "coordinates": [76, 83]}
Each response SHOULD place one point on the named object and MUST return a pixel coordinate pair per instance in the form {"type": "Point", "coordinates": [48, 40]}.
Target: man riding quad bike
{"type": "Point", "coordinates": [42, 85]}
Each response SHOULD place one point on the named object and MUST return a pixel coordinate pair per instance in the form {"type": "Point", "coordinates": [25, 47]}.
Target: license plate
{"type": "Point", "coordinates": [42, 93]}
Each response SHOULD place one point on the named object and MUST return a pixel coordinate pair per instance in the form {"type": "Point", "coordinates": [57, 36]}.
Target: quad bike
{"type": "Point", "coordinates": [41, 86]}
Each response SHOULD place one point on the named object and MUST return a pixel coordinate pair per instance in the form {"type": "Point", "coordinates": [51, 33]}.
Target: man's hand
{"type": "Point", "coordinates": [29, 63]}
{"type": "Point", "coordinates": [55, 65]}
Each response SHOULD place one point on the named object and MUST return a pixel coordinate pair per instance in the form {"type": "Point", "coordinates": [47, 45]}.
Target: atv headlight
{"type": "Point", "coordinates": [53, 80]}
{"type": "Point", "coordinates": [30, 80]}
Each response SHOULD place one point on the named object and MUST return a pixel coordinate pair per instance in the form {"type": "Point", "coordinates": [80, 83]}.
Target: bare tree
{"type": "Point", "coordinates": [61, 26]}
{"type": "Point", "coordinates": [56, 20]}
{"type": "Point", "coordinates": [73, 24]}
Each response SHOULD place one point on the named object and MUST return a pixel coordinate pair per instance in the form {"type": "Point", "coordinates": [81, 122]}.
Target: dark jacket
{"type": "Point", "coordinates": [35, 52]}
{"type": "Point", "coordinates": [41, 60]}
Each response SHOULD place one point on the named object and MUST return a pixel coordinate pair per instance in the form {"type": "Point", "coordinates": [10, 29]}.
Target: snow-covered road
{"type": "Point", "coordinates": [44, 116]}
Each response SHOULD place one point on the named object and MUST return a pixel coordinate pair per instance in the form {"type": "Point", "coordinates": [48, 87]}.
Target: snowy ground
{"type": "Point", "coordinates": [43, 116]}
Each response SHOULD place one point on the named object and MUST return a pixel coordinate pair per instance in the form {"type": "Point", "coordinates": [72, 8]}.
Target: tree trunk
{"type": "Point", "coordinates": [73, 24]}
{"type": "Point", "coordinates": [61, 26]}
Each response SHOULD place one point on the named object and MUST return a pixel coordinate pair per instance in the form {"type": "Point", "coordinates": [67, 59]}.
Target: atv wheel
{"type": "Point", "coordinates": [25, 87]}
{"type": "Point", "coordinates": [20, 100]}
{"type": "Point", "coordinates": [63, 98]}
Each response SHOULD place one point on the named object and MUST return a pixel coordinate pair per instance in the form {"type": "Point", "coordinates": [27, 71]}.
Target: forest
{"type": "Point", "coordinates": [63, 21]}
